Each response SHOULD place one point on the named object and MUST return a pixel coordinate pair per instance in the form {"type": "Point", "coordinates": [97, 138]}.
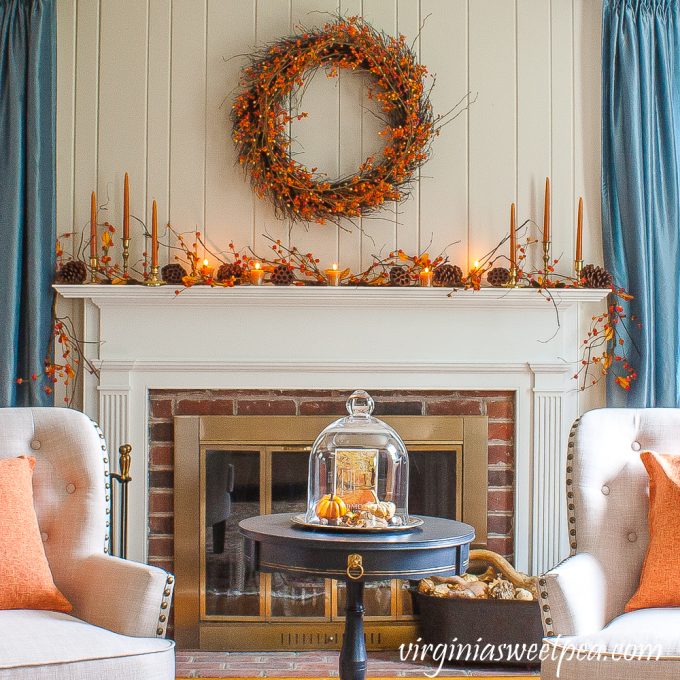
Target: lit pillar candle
{"type": "Point", "coordinates": [207, 270]}
{"type": "Point", "coordinates": [154, 235]}
{"type": "Point", "coordinates": [513, 237]}
{"type": "Point", "coordinates": [579, 231]}
{"type": "Point", "coordinates": [333, 275]}
{"type": "Point", "coordinates": [425, 278]}
{"type": "Point", "coordinates": [93, 225]}
{"type": "Point", "coordinates": [126, 208]}
{"type": "Point", "coordinates": [546, 212]}
{"type": "Point", "coordinates": [256, 275]}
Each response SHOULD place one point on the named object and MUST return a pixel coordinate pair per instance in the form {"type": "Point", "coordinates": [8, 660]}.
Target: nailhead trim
{"type": "Point", "coordinates": [546, 614]}
{"type": "Point", "coordinates": [570, 485]}
{"type": "Point", "coordinates": [165, 605]}
{"type": "Point", "coordinates": [107, 497]}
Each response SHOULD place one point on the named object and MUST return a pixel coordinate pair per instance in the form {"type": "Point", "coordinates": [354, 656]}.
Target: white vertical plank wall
{"type": "Point", "coordinates": [145, 86]}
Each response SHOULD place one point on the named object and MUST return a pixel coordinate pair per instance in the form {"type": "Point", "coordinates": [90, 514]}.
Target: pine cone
{"type": "Point", "coordinates": [399, 276]}
{"type": "Point", "coordinates": [73, 271]}
{"type": "Point", "coordinates": [282, 275]}
{"type": "Point", "coordinates": [596, 277]}
{"type": "Point", "coordinates": [230, 270]}
{"type": "Point", "coordinates": [448, 275]}
{"type": "Point", "coordinates": [173, 273]}
{"type": "Point", "coordinates": [498, 277]}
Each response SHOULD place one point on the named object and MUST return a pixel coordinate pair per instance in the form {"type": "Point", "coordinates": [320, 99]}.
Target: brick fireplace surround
{"type": "Point", "coordinates": [164, 404]}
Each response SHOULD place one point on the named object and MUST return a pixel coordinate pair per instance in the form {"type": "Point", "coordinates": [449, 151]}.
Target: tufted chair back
{"type": "Point", "coordinates": [69, 484]}
{"type": "Point", "coordinates": [608, 490]}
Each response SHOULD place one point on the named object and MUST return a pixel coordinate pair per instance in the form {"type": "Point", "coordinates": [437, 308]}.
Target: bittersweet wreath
{"type": "Point", "coordinates": [261, 115]}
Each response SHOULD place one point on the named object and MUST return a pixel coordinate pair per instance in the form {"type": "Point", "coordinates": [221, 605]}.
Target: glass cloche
{"type": "Point", "coordinates": [358, 473]}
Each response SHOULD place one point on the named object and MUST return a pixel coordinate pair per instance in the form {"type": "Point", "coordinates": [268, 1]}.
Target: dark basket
{"type": "Point", "coordinates": [458, 622]}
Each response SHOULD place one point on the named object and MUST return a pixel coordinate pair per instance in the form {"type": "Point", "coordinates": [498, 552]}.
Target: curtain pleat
{"type": "Point", "coordinates": [27, 194]}
{"type": "Point", "coordinates": [640, 186]}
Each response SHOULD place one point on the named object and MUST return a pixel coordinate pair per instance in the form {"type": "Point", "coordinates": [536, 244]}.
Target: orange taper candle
{"type": "Point", "coordinates": [93, 225]}
{"type": "Point", "coordinates": [546, 212]}
{"type": "Point", "coordinates": [154, 235]}
{"type": "Point", "coordinates": [579, 230]}
{"type": "Point", "coordinates": [513, 237]}
{"type": "Point", "coordinates": [126, 208]}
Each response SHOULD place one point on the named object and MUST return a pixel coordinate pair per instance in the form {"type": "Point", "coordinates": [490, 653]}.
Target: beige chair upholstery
{"type": "Point", "coordinates": [583, 598]}
{"type": "Point", "coordinates": [120, 608]}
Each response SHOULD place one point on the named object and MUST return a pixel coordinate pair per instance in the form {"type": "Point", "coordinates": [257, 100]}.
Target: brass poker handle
{"type": "Point", "coordinates": [355, 568]}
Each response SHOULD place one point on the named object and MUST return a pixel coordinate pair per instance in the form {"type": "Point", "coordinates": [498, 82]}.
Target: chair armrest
{"type": "Point", "coordinates": [123, 596]}
{"type": "Point", "coordinates": [573, 597]}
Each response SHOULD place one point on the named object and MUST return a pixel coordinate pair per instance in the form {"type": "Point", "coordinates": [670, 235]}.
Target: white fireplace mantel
{"type": "Point", "coordinates": [521, 340]}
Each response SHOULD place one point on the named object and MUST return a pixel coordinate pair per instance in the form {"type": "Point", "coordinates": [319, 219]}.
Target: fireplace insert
{"type": "Point", "coordinates": [228, 468]}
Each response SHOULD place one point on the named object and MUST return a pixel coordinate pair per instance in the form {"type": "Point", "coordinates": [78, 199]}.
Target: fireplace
{"type": "Point", "coordinates": [228, 468]}
{"type": "Point", "coordinates": [217, 347]}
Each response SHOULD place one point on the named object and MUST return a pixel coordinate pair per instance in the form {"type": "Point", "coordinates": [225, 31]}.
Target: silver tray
{"type": "Point", "coordinates": [413, 523]}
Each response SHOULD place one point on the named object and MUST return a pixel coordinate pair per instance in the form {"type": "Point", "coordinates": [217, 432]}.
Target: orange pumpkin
{"type": "Point", "coordinates": [331, 507]}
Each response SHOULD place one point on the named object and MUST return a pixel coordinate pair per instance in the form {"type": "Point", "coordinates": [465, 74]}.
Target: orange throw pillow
{"type": "Point", "coordinates": [659, 583]}
{"type": "Point", "coordinates": [25, 576]}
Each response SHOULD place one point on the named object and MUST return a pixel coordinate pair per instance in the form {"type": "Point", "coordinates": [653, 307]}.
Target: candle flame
{"type": "Point", "coordinates": [335, 266]}
{"type": "Point", "coordinates": [427, 269]}
{"type": "Point", "coordinates": [257, 265]}
{"type": "Point", "coordinates": [205, 263]}
{"type": "Point", "coordinates": [476, 264]}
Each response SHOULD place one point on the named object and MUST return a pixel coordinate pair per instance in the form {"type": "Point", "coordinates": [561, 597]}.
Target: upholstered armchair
{"type": "Point", "coordinates": [583, 598]}
{"type": "Point", "coordinates": [120, 608]}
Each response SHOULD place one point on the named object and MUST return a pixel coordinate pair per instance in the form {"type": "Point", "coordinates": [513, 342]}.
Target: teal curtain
{"type": "Point", "coordinates": [27, 195]}
{"type": "Point", "coordinates": [640, 185]}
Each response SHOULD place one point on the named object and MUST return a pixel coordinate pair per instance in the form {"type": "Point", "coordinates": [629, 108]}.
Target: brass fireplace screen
{"type": "Point", "coordinates": [228, 468]}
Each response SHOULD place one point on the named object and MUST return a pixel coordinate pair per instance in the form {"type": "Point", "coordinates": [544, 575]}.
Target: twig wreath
{"type": "Point", "coordinates": [261, 115]}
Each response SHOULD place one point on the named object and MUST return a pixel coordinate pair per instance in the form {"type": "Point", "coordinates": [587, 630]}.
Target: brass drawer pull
{"type": "Point", "coordinates": [355, 568]}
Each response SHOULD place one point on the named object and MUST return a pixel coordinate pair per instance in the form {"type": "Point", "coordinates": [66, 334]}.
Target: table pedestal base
{"type": "Point", "coordinates": [353, 657]}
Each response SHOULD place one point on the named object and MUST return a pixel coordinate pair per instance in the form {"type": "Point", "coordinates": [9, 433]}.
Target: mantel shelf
{"type": "Point", "coordinates": [345, 296]}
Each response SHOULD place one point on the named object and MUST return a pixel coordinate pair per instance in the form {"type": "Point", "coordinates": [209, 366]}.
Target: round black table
{"type": "Point", "coordinates": [440, 547]}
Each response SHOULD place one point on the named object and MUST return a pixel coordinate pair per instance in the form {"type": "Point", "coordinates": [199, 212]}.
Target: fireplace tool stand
{"type": "Point", "coordinates": [120, 507]}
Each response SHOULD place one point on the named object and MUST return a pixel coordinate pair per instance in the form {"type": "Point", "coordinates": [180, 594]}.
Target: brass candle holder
{"type": "Point", "coordinates": [546, 259]}
{"type": "Point", "coordinates": [153, 279]}
{"type": "Point", "coordinates": [126, 257]}
{"type": "Point", "coordinates": [94, 268]}
{"type": "Point", "coordinates": [578, 268]}
{"type": "Point", "coordinates": [512, 281]}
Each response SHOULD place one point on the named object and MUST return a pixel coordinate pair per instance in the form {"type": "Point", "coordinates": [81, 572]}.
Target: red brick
{"type": "Point", "coordinates": [486, 393]}
{"type": "Point", "coordinates": [501, 477]}
{"type": "Point", "coordinates": [500, 544]}
{"type": "Point", "coordinates": [161, 432]}
{"type": "Point", "coordinates": [161, 546]}
{"type": "Point", "coordinates": [500, 499]}
{"type": "Point", "coordinates": [162, 524]}
{"type": "Point", "coordinates": [160, 501]}
{"type": "Point", "coordinates": [503, 408]}
{"type": "Point", "coordinates": [264, 407]}
{"type": "Point", "coordinates": [161, 408]}
{"type": "Point", "coordinates": [501, 431]}
{"type": "Point", "coordinates": [499, 524]}
{"type": "Point", "coordinates": [161, 479]}
{"type": "Point", "coordinates": [205, 407]}
{"type": "Point", "coordinates": [322, 408]}
{"type": "Point", "coordinates": [398, 408]}
{"type": "Point", "coordinates": [161, 455]}
{"type": "Point", "coordinates": [501, 453]}
{"type": "Point", "coordinates": [162, 563]}
{"type": "Point", "coordinates": [455, 407]}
